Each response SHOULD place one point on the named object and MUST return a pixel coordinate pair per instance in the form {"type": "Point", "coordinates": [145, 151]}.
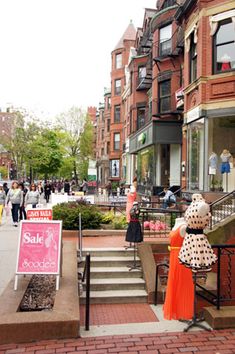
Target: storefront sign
{"type": "Point", "coordinates": [39, 248]}
{"type": "Point", "coordinates": [193, 114]}
{"type": "Point", "coordinates": [39, 214]}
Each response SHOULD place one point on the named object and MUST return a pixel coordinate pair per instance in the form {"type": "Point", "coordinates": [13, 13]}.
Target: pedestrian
{"type": "Point", "coordinates": [40, 188]}
{"type": "Point", "coordinates": [109, 188]}
{"type": "Point", "coordinates": [15, 196]}
{"type": "Point", "coordinates": [84, 186]}
{"type": "Point", "coordinates": [59, 186]}
{"type": "Point", "coordinates": [2, 201]}
{"type": "Point", "coordinates": [33, 196]}
{"type": "Point", "coordinates": [22, 208]}
{"type": "Point", "coordinates": [5, 187]}
{"type": "Point", "coordinates": [66, 187]}
{"type": "Point", "coordinates": [47, 191]}
{"type": "Point", "coordinates": [169, 198]}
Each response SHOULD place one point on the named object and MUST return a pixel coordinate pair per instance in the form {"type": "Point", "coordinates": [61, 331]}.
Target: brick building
{"type": "Point", "coordinates": [209, 88]}
{"type": "Point", "coordinates": [120, 58]}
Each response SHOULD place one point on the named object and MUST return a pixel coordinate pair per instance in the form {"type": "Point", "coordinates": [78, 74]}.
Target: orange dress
{"type": "Point", "coordinates": [131, 197]}
{"type": "Point", "coordinates": [180, 291]}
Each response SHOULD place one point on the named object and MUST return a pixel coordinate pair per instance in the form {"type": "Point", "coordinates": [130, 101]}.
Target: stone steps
{"type": "Point", "coordinates": [116, 296]}
{"type": "Point", "coordinates": [112, 281]}
{"type": "Point", "coordinates": [117, 284]}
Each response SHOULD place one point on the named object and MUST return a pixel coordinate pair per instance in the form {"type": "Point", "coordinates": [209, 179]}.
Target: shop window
{"type": "Point", "coordinates": [196, 155]}
{"type": "Point", "coordinates": [118, 61]}
{"type": "Point", "coordinates": [224, 47]}
{"type": "Point", "coordinates": [117, 87]}
{"type": "Point", "coordinates": [193, 59]}
{"type": "Point", "coordinates": [116, 142]}
{"type": "Point", "coordinates": [117, 114]}
{"type": "Point", "coordinates": [165, 96]}
{"type": "Point", "coordinates": [165, 40]}
{"type": "Point", "coordinates": [145, 167]}
{"type": "Point", "coordinates": [140, 117]}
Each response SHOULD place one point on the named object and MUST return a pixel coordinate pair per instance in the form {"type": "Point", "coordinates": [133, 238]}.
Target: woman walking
{"type": "Point", "coordinates": [15, 196]}
{"type": "Point", "coordinates": [32, 196]}
{"type": "Point", "coordinates": [2, 201]}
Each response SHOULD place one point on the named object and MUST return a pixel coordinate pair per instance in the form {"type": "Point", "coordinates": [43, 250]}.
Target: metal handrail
{"type": "Point", "coordinates": [217, 298]}
{"type": "Point", "coordinates": [87, 275]}
{"type": "Point", "coordinates": [223, 198]}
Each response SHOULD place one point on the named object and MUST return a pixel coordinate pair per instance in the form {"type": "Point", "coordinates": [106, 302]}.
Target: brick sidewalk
{"type": "Point", "coordinates": [216, 342]}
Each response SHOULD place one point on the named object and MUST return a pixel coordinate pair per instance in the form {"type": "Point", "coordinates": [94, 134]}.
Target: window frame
{"type": "Point", "coordinates": [116, 56]}
{"type": "Point", "coordinates": [114, 113]}
{"type": "Point", "coordinates": [117, 93]}
{"type": "Point", "coordinates": [115, 142]}
{"type": "Point", "coordinates": [214, 47]}
{"type": "Point", "coordinates": [140, 123]}
{"type": "Point", "coordinates": [164, 97]}
{"type": "Point", "coordinates": [192, 59]}
{"type": "Point", "coordinates": [161, 53]}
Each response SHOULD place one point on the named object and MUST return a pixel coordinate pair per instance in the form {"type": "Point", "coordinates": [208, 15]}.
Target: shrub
{"type": "Point", "coordinates": [108, 217]}
{"type": "Point", "coordinates": [119, 223]}
{"type": "Point", "coordinates": [69, 214]}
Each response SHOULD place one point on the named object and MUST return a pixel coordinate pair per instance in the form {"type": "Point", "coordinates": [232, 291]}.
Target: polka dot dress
{"type": "Point", "coordinates": [196, 252]}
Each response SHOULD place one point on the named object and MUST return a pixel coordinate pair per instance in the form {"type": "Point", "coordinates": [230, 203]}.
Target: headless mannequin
{"type": "Point", "coordinates": [180, 223]}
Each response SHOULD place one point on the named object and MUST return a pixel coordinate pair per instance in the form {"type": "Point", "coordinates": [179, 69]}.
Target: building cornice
{"type": "Point", "coordinates": [159, 13]}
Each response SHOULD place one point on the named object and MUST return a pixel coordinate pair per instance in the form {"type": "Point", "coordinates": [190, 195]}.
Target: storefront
{"type": "Point", "coordinates": [157, 148]}
{"type": "Point", "coordinates": [211, 151]}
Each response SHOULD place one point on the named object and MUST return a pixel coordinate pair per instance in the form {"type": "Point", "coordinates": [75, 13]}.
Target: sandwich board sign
{"type": "Point", "coordinates": [39, 214]}
{"type": "Point", "coordinates": [39, 248]}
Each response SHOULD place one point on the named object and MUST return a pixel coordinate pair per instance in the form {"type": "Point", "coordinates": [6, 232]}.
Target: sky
{"type": "Point", "coordinates": [57, 53]}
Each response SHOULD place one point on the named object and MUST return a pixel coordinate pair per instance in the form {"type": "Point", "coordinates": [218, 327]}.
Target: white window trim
{"type": "Point", "coordinates": [214, 20]}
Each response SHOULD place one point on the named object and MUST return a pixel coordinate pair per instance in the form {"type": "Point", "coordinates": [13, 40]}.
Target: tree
{"type": "Point", "coordinates": [72, 123]}
{"type": "Point", "coordinates": [3, 172]}
{"type": "Point", "coordinates": [46, 153]}
{"type": "Point", "coordinates": [86, 147]}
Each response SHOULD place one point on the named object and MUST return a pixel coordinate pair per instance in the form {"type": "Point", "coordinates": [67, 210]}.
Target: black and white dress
{"type": "Point", "coordinates": [196, 252]}
{"type": "Point", "coordinates": [134, 231]}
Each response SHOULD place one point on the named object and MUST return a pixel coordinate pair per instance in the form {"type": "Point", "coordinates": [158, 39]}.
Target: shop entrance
{"type": "Point", "coordinates": [165, 164]}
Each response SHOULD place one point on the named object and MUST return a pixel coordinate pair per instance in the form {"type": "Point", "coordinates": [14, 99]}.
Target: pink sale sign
{"type": "Point", "coordinates": [39, 247]}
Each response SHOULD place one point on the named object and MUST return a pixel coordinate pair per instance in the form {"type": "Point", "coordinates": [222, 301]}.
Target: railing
{"type": "Point", "coordinates": [225, 277]}
{"type": "Point", "coordinates": [222, 208]}
{"type": "Point", "coordinates": [87, 275]}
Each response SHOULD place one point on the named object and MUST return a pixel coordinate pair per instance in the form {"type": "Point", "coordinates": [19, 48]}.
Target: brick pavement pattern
{"type": "Point", "coordinates": [199, 342]}
{"type": "Point", "coordinates": [103, 314]}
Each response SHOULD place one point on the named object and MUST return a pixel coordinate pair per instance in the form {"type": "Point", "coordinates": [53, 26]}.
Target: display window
{"type": "Point", "coordinates": [221, 153]}
{"type": "Point", "coordinates": [196, 155]}
{"type": "Point", "coordinates": [145, 167]}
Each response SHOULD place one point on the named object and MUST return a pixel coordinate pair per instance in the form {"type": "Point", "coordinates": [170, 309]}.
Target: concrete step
{"type": "Point", "coordinates": [117, 284]}
{"type": "Point", "coordinates": [116, 297]}
{"type": "Point", "coordinates": [112, 261]}
{"type": "Point", "coordinates": [113, 272]}
{"type": "Point", "coordinates": [220, 319]}
{"type": "Point", "coordinates": [109, 252]}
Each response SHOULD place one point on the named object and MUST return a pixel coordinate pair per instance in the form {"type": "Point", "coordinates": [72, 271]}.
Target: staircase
{"type": "Point", "coordinates": [222, 208]}
{"type": "Point", "coordinates": [111, 279]}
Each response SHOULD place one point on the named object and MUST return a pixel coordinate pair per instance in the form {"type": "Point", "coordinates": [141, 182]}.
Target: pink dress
{"type": "Point", "coordinates": [131, 197]}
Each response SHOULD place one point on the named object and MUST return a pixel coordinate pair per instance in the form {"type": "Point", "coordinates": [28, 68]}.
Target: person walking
{"type": "Point", "coordinates": [15, 196]}
{"type": "Point", "coordinates": [47, 191]}
{"type": "Point", "coordinates": [84, 186]}
{"type": "Point", "coordinates": [66, 187]}
{"type": "Point", "coordinates": [22, 208]}
{"type": "Point", "coordinates": [2, 201]}
{"type": "Point", "coordinates": [32, 197]}
{"type": "Point", "coordinates": [5, 187]}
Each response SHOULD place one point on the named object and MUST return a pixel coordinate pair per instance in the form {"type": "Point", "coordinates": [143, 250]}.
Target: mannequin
{"type": "Point", "coordinates": [213, 161]}
{"type": "Point", "coordinates": [225, 158]}
{"type": "Point", "coordinates": [180, 292]}
{"type": "Point", "coordinates": [131, 197]}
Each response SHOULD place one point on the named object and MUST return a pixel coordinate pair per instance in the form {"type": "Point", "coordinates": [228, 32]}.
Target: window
{"type": "Point", "coordinates": [118, 61]}
{"type": "Point", "coordinates": [141, 73]}
{"type": "Point", "coordinates": [193, 59]}
{"type": "Point", "coordinates": [131, 82]}
{"type": "Point", "coordinates": [102, 134]}
{"type": "Point", "coordinates": [116, 141]}
{"type": "Point", "coordinates": [140, 117]}
{"type": "Point", "coordinates": [102, 152]}
{"type": "Point", "coordinates": [108, 125]}
{"type": "Point", "coordinates": [108, 147]}
{"type": "Point", "coordinates": [109, 102]}
{"type": "Point", "coordinates": [165, 96]}
{"type": "Point", "coordinates": [117, 114]}
{"type": "Point", "coordinates": [117, 87]}
{"type": "Point", "coordinates": [165, 40]}
{"type": "Point", "coordinates": [224, 47]}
